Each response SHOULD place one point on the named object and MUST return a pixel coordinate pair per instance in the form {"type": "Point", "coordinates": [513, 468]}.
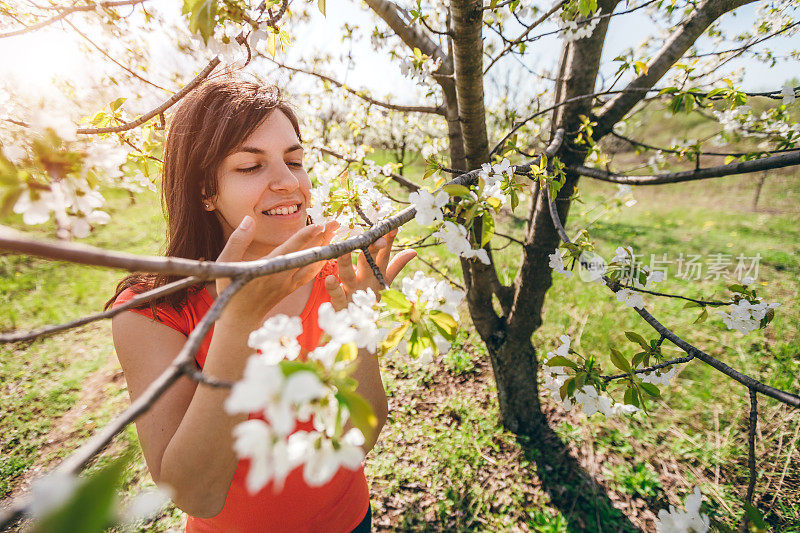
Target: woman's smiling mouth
{"type": "Point", "coordinates": [282, 210]}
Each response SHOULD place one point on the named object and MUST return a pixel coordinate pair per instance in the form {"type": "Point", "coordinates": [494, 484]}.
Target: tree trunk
{"type": "Point", "coordinates": [515, 368]}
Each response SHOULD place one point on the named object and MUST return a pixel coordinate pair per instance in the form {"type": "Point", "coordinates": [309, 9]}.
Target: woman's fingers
{"type": "Point", "coordinates": [238, 242]}
{"type": "Point", "coordinates": [398, 263]}
{"type": "Point", "coordinates": [346, 272]}
{"type": "Point", "coordinates": [382, 257]}
{"type": "Point", "coordinates": [336, 292]}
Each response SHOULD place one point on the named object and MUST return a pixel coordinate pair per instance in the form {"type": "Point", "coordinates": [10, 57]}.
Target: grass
{"type": "Point", "coordinates": [443, 461]}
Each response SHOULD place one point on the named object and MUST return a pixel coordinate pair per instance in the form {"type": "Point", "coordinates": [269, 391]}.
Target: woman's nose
{"type": "Point", "coordinates": [283, 179]}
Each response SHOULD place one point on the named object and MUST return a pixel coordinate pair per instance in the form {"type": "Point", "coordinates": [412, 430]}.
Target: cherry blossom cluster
{"type": "Point", "coordinates": [495, 184]}
{"type": "Point", "coordinates": [585, 397]}
{"type": "Point", "coordinates": [286, 390]}
{"type": "Point", "coordinates": [426, 308]}
{"type": "Point", "coordinates": [573, 30]}
{"type": "Point", "coordinates": [747, 311]}
{"type": "Point", "coordinates": [333, 201]}
{"type": "Point", "coordinates": [690, 520]}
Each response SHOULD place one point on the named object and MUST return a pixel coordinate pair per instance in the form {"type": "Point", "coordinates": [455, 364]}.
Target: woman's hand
{"type": "Point", "coordinates": [361, 277]}
{"type": "Point", "coordinates": [254, 300]}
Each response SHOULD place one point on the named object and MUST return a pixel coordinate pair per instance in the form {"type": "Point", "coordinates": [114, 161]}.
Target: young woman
{"type": "Point", "coordinates": [234, 189]}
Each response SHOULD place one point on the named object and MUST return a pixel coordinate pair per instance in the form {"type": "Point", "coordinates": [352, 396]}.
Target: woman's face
{"type": "Point", "coordinates": [264, 178]}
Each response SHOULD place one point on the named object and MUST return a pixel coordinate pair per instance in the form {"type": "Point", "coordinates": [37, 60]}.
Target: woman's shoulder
{"type": "Point", "coordinates": [179, 319]}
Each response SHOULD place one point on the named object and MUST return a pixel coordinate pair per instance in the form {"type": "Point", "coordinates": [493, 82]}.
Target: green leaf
{"type": "Point", "coordinates": [487, 229]}
{"type": "Point", "coordinates": [619, 361]}
{"type": "Point", "coordinates": [631, 397]}
{"type": "Point", "coordinates": [396, 335]}
{"type": "Point", "coordinates": [651, 389]}
{"type": "Point", "coordinates": [202, 16]}
{"type": "Point", "coordinates": [560, 360]}
{"type": "Point", "coordinates": [456, 190]}
{"type": "Point", "coordinates": [91, 508]}
{"type": "Point", "coordinates": [445, 323]}
{"type": "Point", "coordinates": [703, 316]}
{"type": "Point", "coordinates": [395, 299]}
{"type": "Point", "coordinates": [755, 516]}
{"type": "Point", "coordinates": [9, 200]}
{"type": "Point", "coordinates": [116, 104]}
{"type": "Point", "coordinates": [321, 6]}
{"type": "Point", "coordinates": [635, 337]}
{"type": "Point", "coordinates": [361, 412]}
{"type": "Point", "coordinates": [347, 352]}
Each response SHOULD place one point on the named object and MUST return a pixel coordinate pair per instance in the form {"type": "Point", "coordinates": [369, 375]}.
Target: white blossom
{"type": "Point", "coordinates": [146, 504]}
{"type": "Point", "coordinates": [745, 316]}
{"type": "Point", "coordinates": [51, 492]}
{"type": "Point", "coordinates": [357, 323]}
{"type": "Point", "coordinates": [787, 91]}
{"type": "Point", "coordinates": [454, 237]}
{"type": "Point", "coordinates": [436, 295]}
{"type": "Point", "coordinates": [429, 206]}
{"type": "Point", "coordinates": [688, 521]}
{"type": "Point", "coordinates": [662, 376]}
{"type": "Point", "coordinates": [271, 457]}
{"type": "Point", "coordinates": [630, 298]}
{"type": "Point", "coordinates": [573, 30]}
{"type": "Point", "coordinates": [322, 459]}
{"type": "Point", "coordinates": [557, 263]}
{"type": "Point", "coordinates": [14, 153]}
{"type": "Point", "coordinates": [277, 338]}
{"type": "Point", "coordinates": [35, 206]}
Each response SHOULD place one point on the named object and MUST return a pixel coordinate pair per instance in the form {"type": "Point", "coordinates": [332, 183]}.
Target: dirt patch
{"type": "Point", "coordinates": [65, 434]}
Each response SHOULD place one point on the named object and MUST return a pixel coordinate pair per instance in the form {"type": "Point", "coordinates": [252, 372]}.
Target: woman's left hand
{"type": "Point", "coordinates": [361, 276]}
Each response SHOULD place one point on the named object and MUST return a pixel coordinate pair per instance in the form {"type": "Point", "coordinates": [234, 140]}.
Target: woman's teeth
{"type": "Point", "coordinates": [285, 210]}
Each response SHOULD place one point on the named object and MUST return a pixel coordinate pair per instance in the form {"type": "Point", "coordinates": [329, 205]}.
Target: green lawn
{"type": "Point", "coordinates": [442, 462]}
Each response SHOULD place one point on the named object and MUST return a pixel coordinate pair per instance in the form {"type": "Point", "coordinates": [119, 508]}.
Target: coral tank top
{"type": "Point", "coordinates": [337, 506]}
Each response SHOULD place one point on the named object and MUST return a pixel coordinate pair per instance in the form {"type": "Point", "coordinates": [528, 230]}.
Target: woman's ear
{"type": "Point", "coordinates": [208, 203]}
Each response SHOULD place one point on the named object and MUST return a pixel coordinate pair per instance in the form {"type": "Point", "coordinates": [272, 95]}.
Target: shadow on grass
{"type": "Point", "coordinates": [581, 500]}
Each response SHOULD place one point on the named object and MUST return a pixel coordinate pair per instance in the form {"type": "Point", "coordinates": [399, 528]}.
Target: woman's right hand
{"type": "Point", "coordinates": [254, 300]}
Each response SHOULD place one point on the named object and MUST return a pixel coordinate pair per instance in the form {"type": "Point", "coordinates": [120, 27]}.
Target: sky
{"type": "Point", "coordinates": [32, 59]}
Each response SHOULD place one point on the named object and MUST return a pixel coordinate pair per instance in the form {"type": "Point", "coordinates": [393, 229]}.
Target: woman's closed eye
{"type": "Point", "coordinates": [247, 170]}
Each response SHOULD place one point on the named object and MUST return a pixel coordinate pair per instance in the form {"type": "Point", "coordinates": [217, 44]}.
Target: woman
{"type": "Point", "coordinates": [234, 189]}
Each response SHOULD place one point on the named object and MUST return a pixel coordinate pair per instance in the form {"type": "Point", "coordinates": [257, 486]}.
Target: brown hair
{"type": "Point", "coordinates": [210, 123]}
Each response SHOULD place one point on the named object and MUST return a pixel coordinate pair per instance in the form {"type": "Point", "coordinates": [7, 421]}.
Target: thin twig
{"type": "Point", "coordinates": [68, 10]}
{"type": "Point", "coordinates": [655, 293]}
{"type": "Point", "coordinates": [742, 167]}
{"type": "Point", "coordinates": [665, 364]}
{"type": "Point", "coordinates": [80, 458]}
{"type": "Point", "coordinates": [20, 336]}
{"type": "Point", "coordinates": [160, 109]}
{"type": "Point", "coordinates": [666, 333]}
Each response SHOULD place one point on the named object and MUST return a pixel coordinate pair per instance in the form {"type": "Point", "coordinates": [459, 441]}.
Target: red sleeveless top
{"type": "Point", "coordinates": [337, 506]}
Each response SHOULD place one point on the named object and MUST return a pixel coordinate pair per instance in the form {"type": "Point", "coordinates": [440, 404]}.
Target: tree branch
{"type": "Point", "coordinates": [408, 33]}
{"type": "Point", "coordinates": [747, 381]}
{"type": "Point", "coordinates": [681, 40]}
{"type": "Point", "coordinates": [361, 94]}
{"type": "Point", "coordinates": [160, 109]}
{"type": "Point", "coordinates": [410, 185]}
{"type": "Point", "coordinates": [120, 65]}
{"type": "Point", "coordinates": [19, 336]}
{"type": "Point", "coordinates": [743, 167]}
{"type": "Point", "coordinates": [68, 10]}
{"type": "Point", "coordinates": [183, 361]}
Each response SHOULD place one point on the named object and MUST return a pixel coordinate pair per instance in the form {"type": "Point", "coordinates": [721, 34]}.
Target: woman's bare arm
{"type": "Point", "coordinates": [186, 436]}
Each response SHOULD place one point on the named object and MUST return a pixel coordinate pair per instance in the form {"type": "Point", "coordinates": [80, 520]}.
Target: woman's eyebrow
{"type": "Point", "coordinates": [254, 150]}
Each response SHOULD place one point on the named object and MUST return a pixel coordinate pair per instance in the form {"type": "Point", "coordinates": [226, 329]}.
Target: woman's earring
{"type": "Point", "coordinates": [308, 220]}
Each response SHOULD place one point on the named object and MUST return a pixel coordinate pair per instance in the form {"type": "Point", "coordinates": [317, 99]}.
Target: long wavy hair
{"type": "Point", "coordinates": [210, 123]}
